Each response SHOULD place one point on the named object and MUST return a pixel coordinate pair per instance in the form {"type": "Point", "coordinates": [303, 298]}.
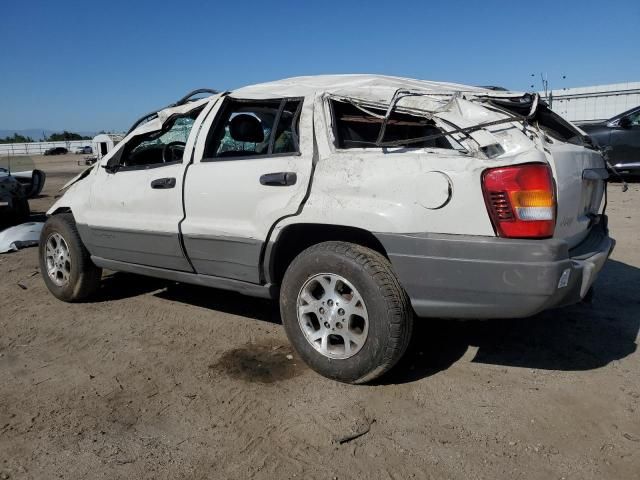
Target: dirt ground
{"type": "Point", "coordinates": [154, 379]}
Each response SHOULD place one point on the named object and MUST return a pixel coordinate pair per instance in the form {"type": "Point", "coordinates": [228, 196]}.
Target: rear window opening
{"type": "Point", "coordinates": [355, 128]}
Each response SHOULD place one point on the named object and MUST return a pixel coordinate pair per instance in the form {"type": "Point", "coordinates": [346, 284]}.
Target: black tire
{"type": "Point", "coordinates": [84, 276]}
{"type": "Point", "coordinates": [390, 316]}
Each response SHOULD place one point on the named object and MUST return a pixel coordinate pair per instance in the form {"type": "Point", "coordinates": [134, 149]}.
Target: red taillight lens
{"type": "Point", "coordinates": [521, 200]}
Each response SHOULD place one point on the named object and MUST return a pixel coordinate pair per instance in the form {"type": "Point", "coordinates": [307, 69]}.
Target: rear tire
{"type": "Point", "coordinates": [345, 312]}
{"type": "Point", "coordinates": [65, 263]}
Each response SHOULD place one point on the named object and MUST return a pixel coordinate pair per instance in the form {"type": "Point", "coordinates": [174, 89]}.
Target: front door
{"type": "Point", "coordinates": [251, 169]}
{"type": "Point", "coordinates": [136, 201]}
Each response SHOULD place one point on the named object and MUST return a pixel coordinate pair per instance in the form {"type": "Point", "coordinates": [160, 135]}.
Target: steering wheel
{"type": "Point", "coordinates": [173, 151]}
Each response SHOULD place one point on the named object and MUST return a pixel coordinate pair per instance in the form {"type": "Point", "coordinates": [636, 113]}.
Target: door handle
{"type": "Point", "coordinates": [279, 179]}
{"type": "Point", "coordinates": [168, 182]}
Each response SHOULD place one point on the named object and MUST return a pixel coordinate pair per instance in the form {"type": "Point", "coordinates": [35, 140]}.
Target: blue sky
{"type": "Point", "coordinates": [88, 66]}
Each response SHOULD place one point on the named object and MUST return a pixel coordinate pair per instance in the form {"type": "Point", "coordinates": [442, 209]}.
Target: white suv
{"type": "Point", "coordinates": [358, 200]}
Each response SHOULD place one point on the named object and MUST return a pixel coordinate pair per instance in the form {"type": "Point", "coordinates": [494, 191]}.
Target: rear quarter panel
{"type": "Point", "coordinates": [401, 192]}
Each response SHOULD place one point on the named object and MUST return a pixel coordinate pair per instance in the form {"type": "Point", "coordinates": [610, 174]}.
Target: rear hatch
{"type": "Point", "coordinates": [579, 170]}
{"type": "Point", "coordinates": [580, 177]}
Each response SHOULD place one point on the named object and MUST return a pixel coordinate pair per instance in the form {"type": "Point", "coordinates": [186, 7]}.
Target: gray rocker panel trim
{"type": "Point", "coordinates": [229, 257]}
{"type": "Point", "coordinates": [245, 288]}
{"type": "Point", "coordinates": [159, 249]}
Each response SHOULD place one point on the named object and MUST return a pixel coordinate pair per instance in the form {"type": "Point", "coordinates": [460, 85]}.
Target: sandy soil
{"type": "Point", "coordinates": [159, 380]}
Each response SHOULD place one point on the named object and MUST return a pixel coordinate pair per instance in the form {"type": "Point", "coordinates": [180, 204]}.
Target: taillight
{"type": "Point", "coordinates": [521, 200]}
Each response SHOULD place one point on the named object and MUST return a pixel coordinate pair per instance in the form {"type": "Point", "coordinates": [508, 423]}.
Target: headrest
{"type": "Point", "coordinates": [246, 128]}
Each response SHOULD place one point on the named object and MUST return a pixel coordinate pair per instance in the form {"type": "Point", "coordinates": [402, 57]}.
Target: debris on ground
{"type": "Point", "coordinates": [20, 236]}
{"type": "Point", "coordinates": [360, 430]}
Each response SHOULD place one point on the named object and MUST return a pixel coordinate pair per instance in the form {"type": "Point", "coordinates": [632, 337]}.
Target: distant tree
{"type": "Point", "coordinates": [16, 139]}
{"type": "Point", "coordinates": [65, 137]}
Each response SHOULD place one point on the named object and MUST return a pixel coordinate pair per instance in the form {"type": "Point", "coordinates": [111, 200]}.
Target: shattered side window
{"type": "Point", "coordinates": [160, 147]}
{"type": "Point", "coordinates": [179, 132]}
{"type": "Point", "coordinates": [552, 123]}
{"type": "Point", "coordinates": [255, 128]}
{"type": "Point", "coordinates": [359, 128]}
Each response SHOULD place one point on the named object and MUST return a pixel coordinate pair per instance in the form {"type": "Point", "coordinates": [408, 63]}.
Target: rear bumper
{"type": "Point", "coordinates": [459, 276]}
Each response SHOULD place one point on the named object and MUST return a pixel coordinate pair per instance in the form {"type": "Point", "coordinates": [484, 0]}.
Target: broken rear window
{"type": "Point", "coordinates": [356, 127]}
{"type": "Point", "coordinates": [550, 122]}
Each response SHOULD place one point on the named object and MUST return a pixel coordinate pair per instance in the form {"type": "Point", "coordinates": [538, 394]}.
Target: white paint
{"type": "Point", "coordinates": [225, 197]}
{"type": "Point", "coordinates": [395, 190]}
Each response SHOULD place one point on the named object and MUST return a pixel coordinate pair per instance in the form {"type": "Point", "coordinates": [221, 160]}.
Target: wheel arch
{"type": "Point", "coordinates": [296, 237]}
{"type": "Point", "coordinates": [59, 210]}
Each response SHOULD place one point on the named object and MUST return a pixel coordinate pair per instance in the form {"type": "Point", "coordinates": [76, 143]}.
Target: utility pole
{"type": "Point", "coordinates": [548, 93]}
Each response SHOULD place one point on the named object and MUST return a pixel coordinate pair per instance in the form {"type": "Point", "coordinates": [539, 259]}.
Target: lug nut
{"type": "Point", "coordinates": [321, 310]}
{"type": "Point", "coordinates": [339, 325]}
{"type": "Point", "coordinates": [330, 302]}
{"type": "Point", "coordinates": [326, 324]}
{"type": "Point", "coordinates": [341, 311]}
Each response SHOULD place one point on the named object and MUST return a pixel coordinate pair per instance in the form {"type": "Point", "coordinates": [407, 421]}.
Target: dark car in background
{"type": "Point", "coordinates": [56, 151]}
{"type": "Point", "coordinates": [622, 135]}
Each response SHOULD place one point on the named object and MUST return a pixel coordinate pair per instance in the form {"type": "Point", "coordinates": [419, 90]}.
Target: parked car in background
{"type": "Point", "coordinates": [620, 135]}
{"type": "Point", "coordinates": [358, 201]}
{"type": "Point", "coordinates": [83, 150]}
{"type": "Point", "coordinates": [56, 151]}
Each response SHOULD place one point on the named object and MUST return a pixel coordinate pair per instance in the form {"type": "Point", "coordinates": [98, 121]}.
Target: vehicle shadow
{"type": "Point", "coordinates": [579, 337]}
{"type": "Point", "coordinates": [223, 301]}
{"type": "Point", "coordinates": [121, 285]}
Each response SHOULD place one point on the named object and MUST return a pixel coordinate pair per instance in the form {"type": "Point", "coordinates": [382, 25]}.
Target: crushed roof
{"type": "Point", "coordinates": [304, 86]}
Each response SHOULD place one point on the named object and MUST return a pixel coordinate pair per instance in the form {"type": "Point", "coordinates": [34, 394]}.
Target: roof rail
{"type": "Point", "coordinates": [193, 93]}
{"type": "Point", "coordinates": [182, 101]}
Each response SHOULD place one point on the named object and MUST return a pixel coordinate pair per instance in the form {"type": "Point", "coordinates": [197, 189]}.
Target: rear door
{"type": "Point", "coordinates": [252, 168]}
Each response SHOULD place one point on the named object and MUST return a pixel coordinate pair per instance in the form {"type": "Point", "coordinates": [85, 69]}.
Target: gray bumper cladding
{"type": "Point", "coordinates": [459, 276]}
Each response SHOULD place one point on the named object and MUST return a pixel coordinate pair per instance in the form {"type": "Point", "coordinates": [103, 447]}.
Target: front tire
{"type": "Point", "coordinates": [345, 312]}
{"type": "Point", "coordinates": [65, 263]}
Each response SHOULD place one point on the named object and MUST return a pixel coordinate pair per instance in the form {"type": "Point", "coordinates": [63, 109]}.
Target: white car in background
{"type": "Point", "coordinates": [360, 201]}
{"type": "Point", "coordinates": [83, 150]}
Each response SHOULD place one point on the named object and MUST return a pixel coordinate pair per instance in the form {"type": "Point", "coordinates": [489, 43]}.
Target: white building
{"type": "Point", "coordinates": [591, 104]}
{"type": "Point", "coordinates": [104, 142]}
